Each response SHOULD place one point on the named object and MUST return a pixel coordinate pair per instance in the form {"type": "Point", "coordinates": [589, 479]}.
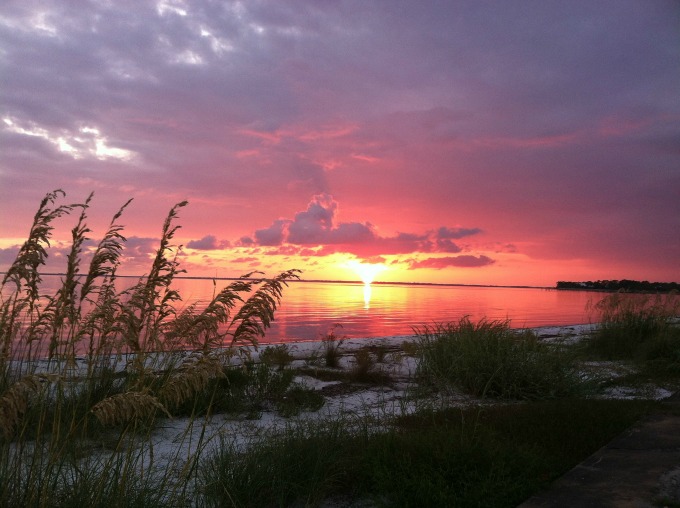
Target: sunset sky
{"type": "Point", "coordinates": [509, 142]}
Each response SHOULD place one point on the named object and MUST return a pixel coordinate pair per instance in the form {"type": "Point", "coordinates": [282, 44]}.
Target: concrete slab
{"type": "Point", "coordinates": [638, 469]}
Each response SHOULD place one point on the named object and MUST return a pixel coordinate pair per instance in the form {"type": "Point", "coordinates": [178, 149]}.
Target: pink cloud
{"type": "Point", "coordinates": [463, 261]}
{"type": "Point", "coordinates": [318, 226]}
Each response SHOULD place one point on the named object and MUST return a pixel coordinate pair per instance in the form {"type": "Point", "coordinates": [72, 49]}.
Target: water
{"type": "Point", "coordinates": [310, 309]}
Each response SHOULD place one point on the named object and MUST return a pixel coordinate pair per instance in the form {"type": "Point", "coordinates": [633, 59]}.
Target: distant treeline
{"type": "Point", "coordinates": [621, 285]}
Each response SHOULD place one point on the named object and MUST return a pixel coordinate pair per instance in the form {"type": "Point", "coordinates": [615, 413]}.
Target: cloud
{"type": "Point", "coordinates": [208, 242]}
{"type": "Point", "coordinates": [445, 233]}
{"type": "Point", "coordinates": [273, 235]}
{"type": "Point", "coordinates": [463, 261]}
{"type": "Point", "coordinates": [247, 259]}
{"type": "Point", "coordinates": [8, 255]}
{"type": "Point", "coordinates": [318, 226]}
{"type": "Point", "coordinates": [315, 226]}
{"type": "Point", "coordinates": [446, 245]}
{"type": "Point", "coordinates": [140, 248]}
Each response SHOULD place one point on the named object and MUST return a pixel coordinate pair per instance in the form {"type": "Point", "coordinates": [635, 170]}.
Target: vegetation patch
{"type": "Point", "coordinates": [278, 356]}
{"type": "Point", "coordinates": [496, 457]}
{"type": "Point", "coordinates": [629, 322]}
{"type": "Point", "coordinates": [332, 343]}
{"type": "Point", "coordinates": [488, 359]}
{"type": "Point", "coordinates": [640, 329]}
{"type": "Point", "coordinates": [89, 360]}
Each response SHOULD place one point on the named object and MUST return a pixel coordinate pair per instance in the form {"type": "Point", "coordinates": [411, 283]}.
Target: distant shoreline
{"type": "Point", "coordinates": [329, 281]}
{"type": "Point", "coordinates": [561, 286]}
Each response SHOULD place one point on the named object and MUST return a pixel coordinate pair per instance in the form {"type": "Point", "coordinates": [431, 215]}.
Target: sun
{"type": "Point", "coordinates": [367, 271]}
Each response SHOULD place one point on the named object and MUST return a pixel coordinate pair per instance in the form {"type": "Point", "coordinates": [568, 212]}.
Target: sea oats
{"type": "Point", "coordinates": [190, 378]}
{"type": "Point", "coordinates": [14, 402]}
{"type": "Point", "coordinates": [127, 407]}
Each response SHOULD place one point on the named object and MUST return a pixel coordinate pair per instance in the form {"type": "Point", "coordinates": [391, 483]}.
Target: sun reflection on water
{"type": "Point", "coordinates": [367, 296]}
{"type": "Point", "coordinates": [367, 273]}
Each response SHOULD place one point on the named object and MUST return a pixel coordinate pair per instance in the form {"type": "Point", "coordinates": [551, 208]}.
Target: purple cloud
{"type": "Point", "coordinates": [318, 226]}
{"type": "Point", "coordinates": [208, 242]}
{"type": "Point", "coordinates": [445, 233]}
{"type": "Point", "coordinates": [463, 261]}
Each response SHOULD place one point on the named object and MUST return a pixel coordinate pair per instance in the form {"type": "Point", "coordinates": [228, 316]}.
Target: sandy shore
{"type": "Point", "coordinates": [360, 400]}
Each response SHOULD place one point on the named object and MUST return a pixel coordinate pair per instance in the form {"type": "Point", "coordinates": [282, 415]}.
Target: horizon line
{"type": "Point", "coordinates": [330, 281]}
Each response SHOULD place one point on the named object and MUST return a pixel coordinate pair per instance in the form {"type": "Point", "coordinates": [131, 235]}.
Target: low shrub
{"type": "Point", "coordinates": [488, 359]}
{"type": "Point", "coordinates": [297, 399]}
{"type": "Point", "coordinates": [661, 354]}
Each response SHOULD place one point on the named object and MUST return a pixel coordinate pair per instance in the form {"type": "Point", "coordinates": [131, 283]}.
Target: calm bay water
{"type": "Point", "coordinates": [310, 309]}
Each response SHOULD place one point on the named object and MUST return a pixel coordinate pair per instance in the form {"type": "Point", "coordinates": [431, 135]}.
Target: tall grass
{"type": "Point", "coordinates": [488, 359]}
{"type": "Point", "coordinates": [636, 326]}
{"type": "Point", "coordinates": [91, 364]}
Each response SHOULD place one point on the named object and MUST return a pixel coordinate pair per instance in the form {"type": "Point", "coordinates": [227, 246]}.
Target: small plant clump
{"type": "Point", "coordinates": [365, 369]}
{"type": "Point", "coordinates": [278, 355]}
{"type": "Point", "coordinates": [488, 359]}
{"type": "Point", "coordinates": [331, 347]}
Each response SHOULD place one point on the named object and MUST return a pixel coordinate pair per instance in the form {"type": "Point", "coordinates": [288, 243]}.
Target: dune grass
{"type": "Point", "coordinates": [488, 359]}
{"type": "Point", "coordinates": [640, 328]}
{"type": "Point", "coordinates": [89, 364]}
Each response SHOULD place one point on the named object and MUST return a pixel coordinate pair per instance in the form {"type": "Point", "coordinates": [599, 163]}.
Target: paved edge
{"type": "Point", "coordinates": [638, 469]}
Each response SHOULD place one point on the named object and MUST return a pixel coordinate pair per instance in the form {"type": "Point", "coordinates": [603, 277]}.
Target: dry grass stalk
{"type": "Point", "coordinates": [127, 407]}
{"type": "Point", "coordinates": [257, 312]}
{"type": "Point", "coordinates": [22, 304]}
{"type": "Point", "coordinates": [33, 253]}
{"type": "Point", "coordinates": [14, 402]}
{"type": "Point", "coordinates": [106, 257]}
{"type": "Point", "coordinates": [190, 378]}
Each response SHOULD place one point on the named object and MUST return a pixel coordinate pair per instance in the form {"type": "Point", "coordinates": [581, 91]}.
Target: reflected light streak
{"type": "Point", "coordinates": [367, 296]}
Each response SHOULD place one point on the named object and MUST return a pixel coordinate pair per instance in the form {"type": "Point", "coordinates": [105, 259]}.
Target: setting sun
{"type": "Point", "coordinates": [367, 271]}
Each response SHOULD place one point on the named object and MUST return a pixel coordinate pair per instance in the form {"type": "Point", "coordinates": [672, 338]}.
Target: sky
{"type": "Point", "coordinates": [476, 142]}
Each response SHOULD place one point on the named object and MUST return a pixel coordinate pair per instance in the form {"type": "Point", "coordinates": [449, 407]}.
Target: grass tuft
{"type": "Point", "coordinates": [488, 359]}
{"type": "Point", "coordinates": [331, 347]}
{"type": "Point", "coordinates": [278, 355]}
{"type": "Point", "coordinates": [637, 327]}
